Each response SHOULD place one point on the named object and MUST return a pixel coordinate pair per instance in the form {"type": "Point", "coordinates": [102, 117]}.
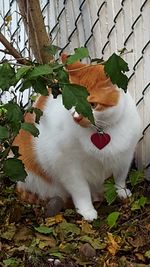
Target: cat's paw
{"type": "Point", "coordinates": [89, 214]}
{"type": "Point", "coordinates": [124, 193]}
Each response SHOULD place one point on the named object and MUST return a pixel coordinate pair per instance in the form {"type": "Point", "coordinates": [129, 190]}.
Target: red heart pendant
{"type": "Point", "coordinates": [100, 140]}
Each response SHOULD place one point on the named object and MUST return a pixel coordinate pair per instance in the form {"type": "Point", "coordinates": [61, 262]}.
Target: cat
{"type": "Point", "coordinates": [67, 159]}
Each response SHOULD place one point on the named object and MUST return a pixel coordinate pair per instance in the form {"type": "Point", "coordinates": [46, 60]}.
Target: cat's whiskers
{"type": "Point", "coordinates": [98, 128]}
{"type": "Point", "coordinates": [101, 124]}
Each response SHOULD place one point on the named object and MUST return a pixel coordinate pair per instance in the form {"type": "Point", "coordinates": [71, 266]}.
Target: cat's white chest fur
{"type": "Point", "coordinates": [77, 167]}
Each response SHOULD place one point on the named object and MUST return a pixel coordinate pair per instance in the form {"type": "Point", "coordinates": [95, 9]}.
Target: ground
{"type": "Point", "coordinates": [30, 239]}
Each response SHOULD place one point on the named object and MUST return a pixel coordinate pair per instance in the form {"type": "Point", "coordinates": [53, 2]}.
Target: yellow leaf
{"type": "Point", "coordinates": [54, 220]}
{"type": "Point", "coordinates": [47, 243]}
{"type": "Point", "coordinates": [87, 228]}
{"type": "Point", "coordinates": [113, 246]}
{"type": "Point", "coordinates": [50, 221]}
{"type": "Point", "coordinates": [59, 218]}
{"type": "Point", "coordinates": [8, 19]}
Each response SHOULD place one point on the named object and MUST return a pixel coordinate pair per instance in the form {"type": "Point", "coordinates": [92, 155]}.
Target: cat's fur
{"type": "Point", "coordinates": [62, 160]}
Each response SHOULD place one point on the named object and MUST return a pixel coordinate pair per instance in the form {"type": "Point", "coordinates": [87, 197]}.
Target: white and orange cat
{"type": "Point", "coordinates": [70, 158]}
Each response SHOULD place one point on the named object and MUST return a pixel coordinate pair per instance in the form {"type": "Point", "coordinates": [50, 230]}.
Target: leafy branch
{"type": "Point", "coordinates": [41, 74]}
{"type": "Point", "coordinates": [41, 77]}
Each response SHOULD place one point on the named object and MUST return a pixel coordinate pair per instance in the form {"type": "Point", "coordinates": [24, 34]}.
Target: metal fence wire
{"type": "Point", "coordinates": [104, 27]}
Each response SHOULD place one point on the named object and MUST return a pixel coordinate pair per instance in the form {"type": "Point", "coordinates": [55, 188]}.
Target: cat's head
{"type": "Point", "coordinates": [103, 95]}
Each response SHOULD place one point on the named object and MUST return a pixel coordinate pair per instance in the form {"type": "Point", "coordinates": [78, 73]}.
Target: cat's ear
{"type": "Point", "coordinates": [74, 67]}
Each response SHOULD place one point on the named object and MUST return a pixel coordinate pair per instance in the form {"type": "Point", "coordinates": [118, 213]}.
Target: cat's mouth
{"type": "Point", "coordinates": [77, 117]}
{"type": "Point", "coordinates": [80, 119]}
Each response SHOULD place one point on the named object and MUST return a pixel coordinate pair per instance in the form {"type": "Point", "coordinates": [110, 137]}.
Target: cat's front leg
{"type": "Point", "coordinates": [120, 175]}
{"type": "Point", "coordinates": [79, 190]}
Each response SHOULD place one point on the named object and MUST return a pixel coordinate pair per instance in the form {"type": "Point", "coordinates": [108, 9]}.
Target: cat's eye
{"type": "Point", "coordinates": [93, 105]}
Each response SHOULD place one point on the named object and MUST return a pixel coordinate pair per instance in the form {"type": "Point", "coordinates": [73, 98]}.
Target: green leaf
{"type": "Point", "coordinates": [44, 229]}
{"type": "Point", "coordinates": [14, 169]}
{"type": "Point", "coordinates": [11, 262]}
{"type": "Point", "coordinates": [40, 71]}
{"type": "Point", "coordinates": [115, 67]}
{"type": "Point", "coordinates": [21, 72]}
{"type": "Point", "coordinates": [4, 133]}
{"type": "Point", "coordinates": [14, 113]}
{"type": "Point", "coordinates": [68, 228]}
{"type": "Point", "coordinates": [135, 177]}
{"type": "Point", "coordinates": [147, 254]}
{"type": "Point", "coordinates": [69, 100]}
{"type": "Point", "coordinates": [79, 54]}
{"type": "Point", "coordinates": [110, 191]}
{"type": "Point", "coordinates": [112, 218]}
{"type": "Point", "coordinates": [26, 84]}
{"type": "Point", "coordinates": [84, 108]}
{"type": "Point", "coordinates": [57, 255]}
{"type": "Point", "coordinates": [94, 242]}
{"type": "Point", "coordinates": [76, 95]}
{"type": "Point", "coordinates": [52, 49]}
{"type": "Point", "coordinates": [139, 203]}
{"type": "Point", "coordinates": [7, 76]}
{"type": "Point", "coordinates": [62, 76]}
{"type": "Point", "coordinates": [40, 86]}
{"type": "Point", "coordinates": [29, 127]}
{"type": "Point", "coordinates": [14, 116]}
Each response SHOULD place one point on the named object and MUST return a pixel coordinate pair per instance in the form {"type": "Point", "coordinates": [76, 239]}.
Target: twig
{"type": "Point", "coordinates": [38, 38]}
{"type": "Point", "coordinates": [41, 36]}
{"type": "Point", "coordinates": [12, 51]}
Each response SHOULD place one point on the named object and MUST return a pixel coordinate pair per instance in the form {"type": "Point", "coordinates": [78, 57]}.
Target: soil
{"type": "Point", "coordinates": [29, 238]}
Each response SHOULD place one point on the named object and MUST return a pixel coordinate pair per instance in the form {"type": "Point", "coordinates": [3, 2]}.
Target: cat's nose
{"type": "Point", "coordinates": [77, 117]}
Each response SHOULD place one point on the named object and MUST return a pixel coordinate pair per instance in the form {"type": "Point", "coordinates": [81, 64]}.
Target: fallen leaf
{"type": "Point", "coordinates": [47, 243]}
{"type": "Point", "coordinates": [9, 232]}
{"type": "Point", "coordinates": [68, 228]}
{"type": "Point", "coordinates": [86, 228]}
{"type": "Point", "coordinates": [147, 254]}
{"type": "Point", "coordinates": [96, 243]}
{"type": "Point", "coordinates": [59, 218]}
{"type": "Point", "coordinates": [138, 241]}
{"type": "Point", "coordinates": [54, 220]}
{"type": "Point", "coordinates": [1, 203]}
{"type": "Point", "coordinates": [112, 218]}
{"type": "Point", "coordinates": [23, 234]}
{"type": "Point", "coordinates": [111, 264]}
{"type": "Point", "coordinates": [113, 246]}
{"type": "Point", "coordinates": [44, 229]}
{"type": "Point", "coordinates": [140, 257]}
{"type": "Point", "coordinates": [12, 262]}
{"type": "Point", "coordinates": [86, 250]}
{"type": "Point", "coordinates": [68, 248]}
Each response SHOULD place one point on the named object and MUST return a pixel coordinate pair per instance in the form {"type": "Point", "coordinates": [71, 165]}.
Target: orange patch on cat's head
{"type": "Point", "coordinates": [99, 86]}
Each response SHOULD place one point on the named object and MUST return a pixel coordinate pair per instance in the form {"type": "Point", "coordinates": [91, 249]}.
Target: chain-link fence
{"type": "Point", "coordinates": [103, 27]}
